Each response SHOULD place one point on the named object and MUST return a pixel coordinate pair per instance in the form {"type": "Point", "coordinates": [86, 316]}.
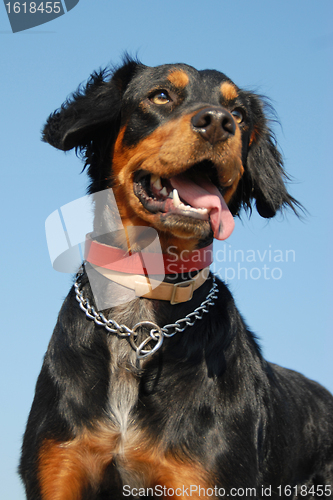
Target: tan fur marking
{"type": "Point", "coordinates": [67, 469]}
{"type": "Point", "coordinates": [229, 91]}
{"type": "Point", "coordinates": [254, 136]}
{"type": "Point", "coordinates": [170, 472]}
{"type": "Point", "coordinates": [178, 78]}
{"type": "Point", "coordinates": [228, 194]}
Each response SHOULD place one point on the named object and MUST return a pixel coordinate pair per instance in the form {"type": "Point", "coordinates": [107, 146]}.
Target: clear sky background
{"type": "Point", "coordinates": [282, 49]}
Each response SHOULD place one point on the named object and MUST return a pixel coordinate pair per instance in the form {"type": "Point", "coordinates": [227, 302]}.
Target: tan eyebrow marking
{"type": "Point", "coordinates": [178, 78]}
{"type": "Point", "coordinates": [229, 91]}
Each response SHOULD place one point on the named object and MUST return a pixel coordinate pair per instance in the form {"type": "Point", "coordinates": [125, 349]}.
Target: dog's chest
{"type": "Point", "coordinates": [123, 395]}
{"type": "Point", "coordinates": [140, 457]}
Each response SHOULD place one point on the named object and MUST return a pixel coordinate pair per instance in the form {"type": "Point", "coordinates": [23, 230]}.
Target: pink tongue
{"type": "Point", "coordinates": [206, 196]}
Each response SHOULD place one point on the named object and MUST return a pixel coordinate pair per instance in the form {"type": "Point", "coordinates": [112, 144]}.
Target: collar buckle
{"type": "Point", "coordinates": [183, 284]}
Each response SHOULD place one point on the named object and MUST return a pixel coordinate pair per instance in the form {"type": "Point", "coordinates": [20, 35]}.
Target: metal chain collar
{"type": "Point", "coordinates": [156, 333]}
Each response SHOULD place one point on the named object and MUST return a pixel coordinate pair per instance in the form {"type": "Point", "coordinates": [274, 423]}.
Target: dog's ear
{"type": "Point", "coordinates": [93, 106]}
{"type": "Point", "coordinates": [264, 172]}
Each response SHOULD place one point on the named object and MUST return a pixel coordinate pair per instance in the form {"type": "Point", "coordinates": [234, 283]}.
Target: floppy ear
{"type": "Point", "coordinates": [91, 107]}
{"type": "Point", "coordinates": [264, 168]}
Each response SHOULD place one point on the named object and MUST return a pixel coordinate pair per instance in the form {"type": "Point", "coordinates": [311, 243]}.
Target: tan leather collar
{"type": "Point", "coordinates": [154, 289]}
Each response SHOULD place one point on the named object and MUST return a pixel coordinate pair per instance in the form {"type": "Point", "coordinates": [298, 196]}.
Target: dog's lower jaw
{"type": "Point", "coordinates": [176, 239]}
{"type": "Point", "coordinates": [185, 233]}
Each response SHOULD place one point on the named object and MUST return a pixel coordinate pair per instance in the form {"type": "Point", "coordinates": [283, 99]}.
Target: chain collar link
{"type": "Point", "coordinates": [156, 333]}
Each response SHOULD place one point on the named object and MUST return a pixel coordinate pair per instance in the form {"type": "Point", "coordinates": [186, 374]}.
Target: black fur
{"type": "Point", "coordinates": [207, 398]}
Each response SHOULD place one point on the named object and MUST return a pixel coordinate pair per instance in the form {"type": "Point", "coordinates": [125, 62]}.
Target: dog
{"type": "Point", "coordinates": [168, 395]}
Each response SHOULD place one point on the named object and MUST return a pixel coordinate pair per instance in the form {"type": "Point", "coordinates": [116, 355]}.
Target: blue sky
{"type": "Point", "coordinates": [281, 49]}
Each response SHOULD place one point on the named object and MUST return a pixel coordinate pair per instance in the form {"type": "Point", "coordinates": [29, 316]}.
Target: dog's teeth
{"type": "Point", "coordinates": [188, 208]}
{"type": "Point", "coordinates": [176, 200]}
{"type": "Point", "coordinates": [155, 181]}
{"type": "Point", "coordinates": [201, 210]}
{"type": "Point", "coordinates": [185, 208]}
{"type": "Point", "coordinates": [164, 191]}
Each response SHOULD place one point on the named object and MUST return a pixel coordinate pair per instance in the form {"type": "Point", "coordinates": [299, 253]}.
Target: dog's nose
{"type": "Point", "coordinates": [214, 124]}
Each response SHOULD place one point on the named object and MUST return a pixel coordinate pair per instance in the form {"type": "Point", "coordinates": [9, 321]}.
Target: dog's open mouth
{"type": "Point", "coordinates": [191, 194]}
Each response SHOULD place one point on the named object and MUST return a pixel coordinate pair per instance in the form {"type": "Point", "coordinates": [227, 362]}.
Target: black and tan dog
{"type": "Point", "coordinates": [204, 415]}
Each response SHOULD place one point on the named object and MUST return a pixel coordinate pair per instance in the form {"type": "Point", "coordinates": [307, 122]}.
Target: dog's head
{"type": "Point", "coordinates": [184, 150]}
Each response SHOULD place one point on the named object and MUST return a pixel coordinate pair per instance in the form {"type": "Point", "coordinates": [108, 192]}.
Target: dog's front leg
{"type": "Point", "coordinates": [73, 470]}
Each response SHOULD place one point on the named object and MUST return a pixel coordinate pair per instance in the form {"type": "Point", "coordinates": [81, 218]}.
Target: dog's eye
{"type": "Point", "coordinates": [160, 97]}
{"type": "Point", "coordinates": [238, 115]}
